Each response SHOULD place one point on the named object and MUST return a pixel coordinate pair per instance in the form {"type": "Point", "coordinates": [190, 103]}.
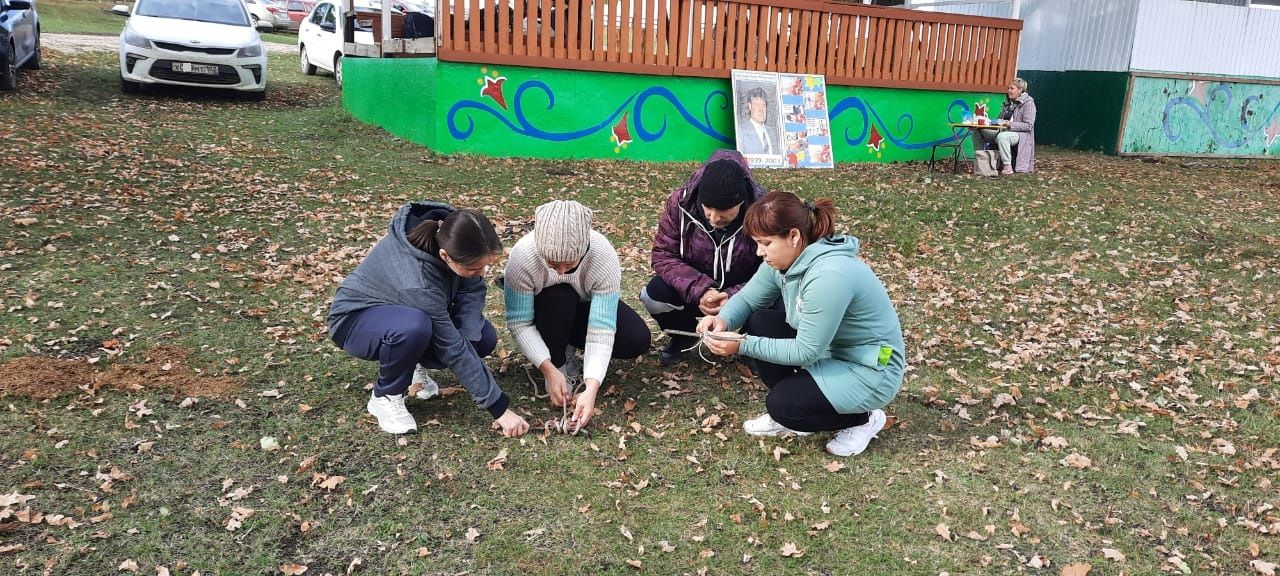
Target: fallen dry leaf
{"type": "Point", "coordinates": [472, 535]}
{"type": "Point", "coordinates": [943, 531]}
{"type": "Point", "coordinates": [789, 550]}
{"type": "Point", "coordinates": [1076, 570]}
{"type": "Point", "coordinates": [1264, 568]}
{"type": "Point", "coordinates": [497, 462]}
{"type": "Point", "coordinates": [834, 466]}
{"type": "Point", "coordinates": [1113, 554]}
{"type": "Point", "coordinates": [332, 482]}
{"type": "Point", "coordinates": [128, 566]}
{"type": "Point", "coordinates": [293, 569]}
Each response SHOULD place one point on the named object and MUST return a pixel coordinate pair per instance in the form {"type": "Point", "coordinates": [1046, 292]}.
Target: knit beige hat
{"type": "Point", "coordinates": [562, 230]}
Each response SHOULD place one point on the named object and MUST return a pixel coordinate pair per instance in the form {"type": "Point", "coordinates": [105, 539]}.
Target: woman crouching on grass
{"type": "Point", "coordinates": [835, 357]}
{"type": "Point", "coordinates": [417, 298]}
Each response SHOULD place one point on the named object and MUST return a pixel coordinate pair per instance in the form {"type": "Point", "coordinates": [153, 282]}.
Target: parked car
{"type": "Point", "coordinates": [267, 11]}
{"type": "Point", "coordinates": [320, 40]}
{"type": "Point", "coordinates": [298, 11]}
{"type": "Point", "coordinates": [210, 43]}
{"type": "Point", "coordinates": [19, 40]}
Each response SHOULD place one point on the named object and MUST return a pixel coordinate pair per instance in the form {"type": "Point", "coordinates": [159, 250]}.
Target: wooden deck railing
{"type": "Point", "coordinates": [850, 44]}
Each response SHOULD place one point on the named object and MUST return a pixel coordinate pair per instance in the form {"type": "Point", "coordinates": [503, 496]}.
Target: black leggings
{"type": "Point", "coordinates": [561, 319]}
{"type": "Point", "coordinates": [794, 399]}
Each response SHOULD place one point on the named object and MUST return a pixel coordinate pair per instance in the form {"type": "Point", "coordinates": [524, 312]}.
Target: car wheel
{"type": "Point", "coordinates": [337, 70]}
{"type": "Point", "coordinates": [307, 67]}
{"type": "Point", "coordinates": [129, 87]}
{"type": "Point", "coordinates": [34, 62]}
{"type": "Point", "coordinates": [254, 17]}
{"type": "Point", "coordinates": [9, 72]}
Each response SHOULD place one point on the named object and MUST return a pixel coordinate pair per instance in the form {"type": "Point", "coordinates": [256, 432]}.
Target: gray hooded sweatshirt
{"type": "Point", "coordinates": [395, 272]}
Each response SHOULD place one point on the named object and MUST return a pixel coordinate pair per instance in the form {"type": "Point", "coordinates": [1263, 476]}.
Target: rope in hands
{"type": "Point", "coordinates": [566, 424]}
{"type": "Point", "coordinates": [700, 345]}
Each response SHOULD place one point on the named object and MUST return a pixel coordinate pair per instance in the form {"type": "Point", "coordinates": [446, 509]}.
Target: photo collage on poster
{"type": "Point", "coordinates": [781, 119]}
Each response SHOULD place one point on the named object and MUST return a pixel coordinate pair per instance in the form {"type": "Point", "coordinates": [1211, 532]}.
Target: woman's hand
{"type": "Point", "coordinates": [584, 406]}
{"type": "Point", "coordinates": [726, 345]}
{"type": "Point", "coordinates": [711, 324]}
{"type": "Point", "coordinates": [557, 384]}
{"type": "Point", "coordinates": [512, 424]}
{"type": "Point", "coordinates": [712, 301]}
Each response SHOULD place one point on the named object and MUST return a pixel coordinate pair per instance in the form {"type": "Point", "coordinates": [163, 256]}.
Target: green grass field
{"type": "Point", "coordinates": [1093, 357]}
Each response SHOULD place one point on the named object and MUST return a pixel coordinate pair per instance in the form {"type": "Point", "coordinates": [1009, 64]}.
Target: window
{"type": "Point", "coordinates": [321, 11]}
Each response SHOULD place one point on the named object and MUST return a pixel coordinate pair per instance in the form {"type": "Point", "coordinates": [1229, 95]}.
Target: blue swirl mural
{"type": "Point", "coordinates": [901, 133]}
{"type": "Point", "coordinates": [1241, 134]}
{"type": "Point", "coordinates": [461, 123]}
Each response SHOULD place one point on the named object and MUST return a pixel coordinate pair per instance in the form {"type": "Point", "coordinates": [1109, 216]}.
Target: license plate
{"type": "Point", "coordinates": [193, 68]}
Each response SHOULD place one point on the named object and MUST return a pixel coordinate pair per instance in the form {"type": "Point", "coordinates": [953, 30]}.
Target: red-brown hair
{"type": "Point", "coordinates": [778, 212]}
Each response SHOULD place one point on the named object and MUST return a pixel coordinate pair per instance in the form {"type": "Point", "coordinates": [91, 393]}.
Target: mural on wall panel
{"type": "Point", "coordinates": [867, 127]}
{"type": "Point", "coordinates": [546, 113]}
{"type": "Point", "coordinates": [608, 122]}
{"type": "Point", "coordinates": [1188, 116]}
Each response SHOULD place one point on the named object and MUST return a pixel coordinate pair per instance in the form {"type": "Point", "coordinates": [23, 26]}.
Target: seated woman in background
{"type": "Point", "coordinates": [1019, 114]}
{"type": "Point", "coordinates": [835, 357]}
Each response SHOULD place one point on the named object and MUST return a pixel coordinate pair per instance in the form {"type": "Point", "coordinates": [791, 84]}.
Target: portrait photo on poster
{"type": "Point", "coordinates": [757, 122]}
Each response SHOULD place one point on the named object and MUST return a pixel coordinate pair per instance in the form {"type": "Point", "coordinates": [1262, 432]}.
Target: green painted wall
{"type": "Point", "coordinates": [547, 113]}
{"type": "Point", "coordinates": [1180, 116]}
{"type": "Point", "coordinates": [1078, 109]}
{"type": "Point", "coordinates": [393, 92]}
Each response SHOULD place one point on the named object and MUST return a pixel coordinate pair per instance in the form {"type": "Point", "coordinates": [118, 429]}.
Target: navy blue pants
{"type": "Point", "coordinates": [794, 399]}
{"type": "Point", "coordinates": [399, 338]}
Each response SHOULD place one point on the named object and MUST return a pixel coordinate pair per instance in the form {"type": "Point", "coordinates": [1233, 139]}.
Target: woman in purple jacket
{"type": "Point", "coordinates": [700, 252]}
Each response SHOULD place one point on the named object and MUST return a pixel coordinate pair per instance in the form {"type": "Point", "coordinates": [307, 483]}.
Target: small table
{"type": "Point", "coordinates": [960, 131]}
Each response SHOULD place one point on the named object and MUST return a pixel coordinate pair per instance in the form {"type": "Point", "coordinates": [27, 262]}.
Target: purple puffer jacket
{"type": "Point", "coordinates": [684, 254]}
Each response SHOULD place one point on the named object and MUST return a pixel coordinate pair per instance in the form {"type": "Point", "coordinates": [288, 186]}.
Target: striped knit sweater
{"type": "Point", "coordinates": [597, 279]}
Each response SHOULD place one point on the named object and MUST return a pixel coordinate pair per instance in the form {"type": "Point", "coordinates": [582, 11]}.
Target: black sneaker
{"type": "Point", "coordinates": [674, 352]}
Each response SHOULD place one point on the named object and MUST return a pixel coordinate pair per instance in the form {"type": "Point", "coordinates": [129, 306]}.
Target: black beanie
{"type": "Point", "coordinates": [723, 185]}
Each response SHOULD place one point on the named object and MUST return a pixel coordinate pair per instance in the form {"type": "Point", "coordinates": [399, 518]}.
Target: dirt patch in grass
{"type": "Point", "coordinates": [163, 368]}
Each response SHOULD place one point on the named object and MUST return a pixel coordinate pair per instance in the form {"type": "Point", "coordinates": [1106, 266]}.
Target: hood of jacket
{"type": "Point", "coordinates": [409, 217]}
{"type": "Point", "coordinates": [838, 245]}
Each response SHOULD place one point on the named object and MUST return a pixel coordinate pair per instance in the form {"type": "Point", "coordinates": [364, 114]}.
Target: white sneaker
{"type": "Point", "coordinates": [765, 425]}
{"type": "Point", "coordinates": [853, 440]}
{"type": "Point", "coordinates": [426, 386]}
{"type": "Point", "coordinates": [572, 365]}
{"type": "Point", "coordinates": [391, 414]}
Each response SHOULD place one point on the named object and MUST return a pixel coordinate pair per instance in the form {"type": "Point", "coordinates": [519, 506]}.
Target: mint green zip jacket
{"type": "Point", "coordinates": [847, 332]}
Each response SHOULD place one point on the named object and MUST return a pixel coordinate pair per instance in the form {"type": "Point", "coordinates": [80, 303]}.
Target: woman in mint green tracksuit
{"type": "Point", "coordinates": [835, 357]}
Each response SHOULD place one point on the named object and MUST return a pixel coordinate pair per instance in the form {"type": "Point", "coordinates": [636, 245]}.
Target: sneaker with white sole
{"type": "Point", "coordinates": [572, 367]}
{"type": "Point", "coordinates": [426, 386]}
{"type": "Point", "coordinates": [853, 440]}
{"type": "Point", "coordinates": [392, 416]}
{"type": "Point", "coordinates": [765, 425]}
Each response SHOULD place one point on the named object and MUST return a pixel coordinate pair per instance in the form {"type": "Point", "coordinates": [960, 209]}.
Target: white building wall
{"type": "Point", "coordinates": [1067, 34]}
{"type": "Point", "coordinates": [1200, 38]}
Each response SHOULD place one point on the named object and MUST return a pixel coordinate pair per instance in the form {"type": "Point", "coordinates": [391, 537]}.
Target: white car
{"type": "Point", "coordinates": [207, 43]}
{"type": "Point", "coordinates": [269, 12]}
{"type": "Point", "coordinates": [320, 40]}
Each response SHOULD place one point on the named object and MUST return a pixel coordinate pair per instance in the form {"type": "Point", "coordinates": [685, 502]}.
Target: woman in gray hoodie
{"type": "Point", "coordinates": [417, 299]}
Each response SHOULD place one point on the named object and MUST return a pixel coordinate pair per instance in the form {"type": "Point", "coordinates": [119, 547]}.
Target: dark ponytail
{"type": "Point", "coordinates": [465, 235]}
{"type": "Point", "coordinates": [778, 212]}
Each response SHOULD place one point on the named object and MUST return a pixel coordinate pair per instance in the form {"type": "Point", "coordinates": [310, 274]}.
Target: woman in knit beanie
{"type": "Point", "coordinates": [562, 292]}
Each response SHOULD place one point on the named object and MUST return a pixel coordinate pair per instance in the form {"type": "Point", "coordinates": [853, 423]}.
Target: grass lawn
{"type": "Point", "coordinates": [1093, 352]}
{"type": "Point", "coordinates": [92, 17]}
